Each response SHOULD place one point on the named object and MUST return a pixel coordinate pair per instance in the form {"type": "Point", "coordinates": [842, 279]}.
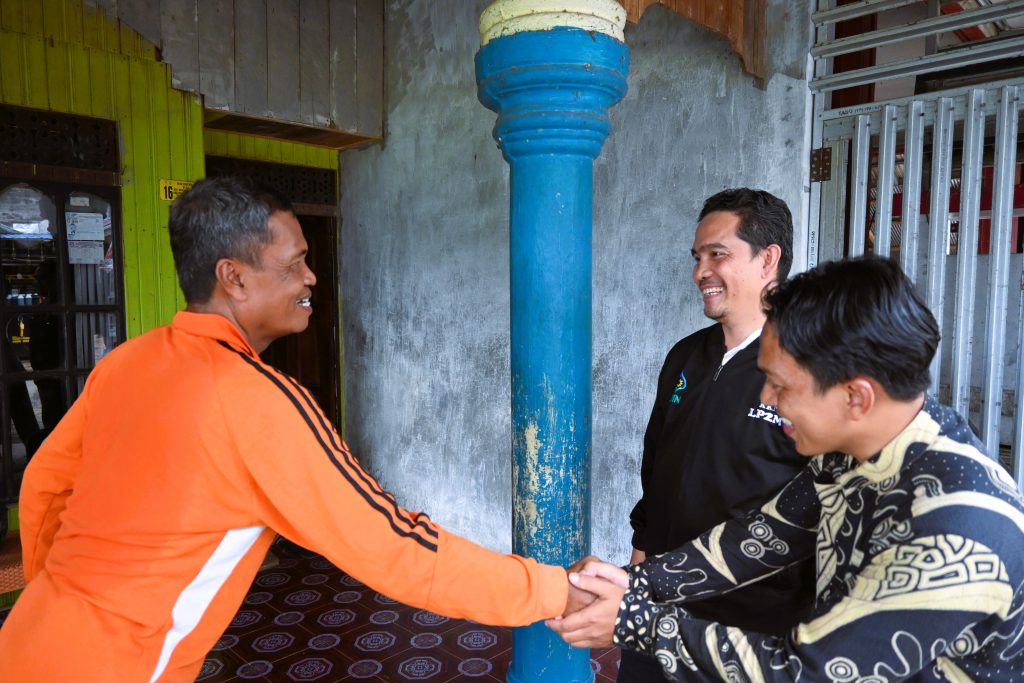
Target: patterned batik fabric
{"type": "Point", "coordinates": [920, 561]}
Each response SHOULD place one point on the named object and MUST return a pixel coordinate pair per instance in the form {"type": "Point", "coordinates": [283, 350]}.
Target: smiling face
{"type": "Point", "coordinates": [816, 421]}
{"type": "Point", "coordinates": [277, 291]}
{"type": "Point", "coordinates": [727, 272]}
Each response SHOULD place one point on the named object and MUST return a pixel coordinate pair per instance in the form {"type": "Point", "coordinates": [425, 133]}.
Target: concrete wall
{"type": "Point", "coordinates": [424, 252]}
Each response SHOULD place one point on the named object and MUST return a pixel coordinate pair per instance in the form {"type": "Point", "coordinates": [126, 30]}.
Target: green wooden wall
{"type": "Point", "coordinates": [219, 143]}
{"type": "Point", "coordinates": [67, 56]}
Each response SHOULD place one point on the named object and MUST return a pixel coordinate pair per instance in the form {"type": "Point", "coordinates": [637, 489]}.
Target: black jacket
{"type": "Point", "coordinates": [713, 452]}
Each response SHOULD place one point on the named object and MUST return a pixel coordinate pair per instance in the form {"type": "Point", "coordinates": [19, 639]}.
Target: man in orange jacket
{"type": "Point", "coordinates": [147, 512]}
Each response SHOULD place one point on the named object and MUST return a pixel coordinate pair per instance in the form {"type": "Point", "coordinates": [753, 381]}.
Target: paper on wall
{"type": "Point", "coordinates": [84, 226]}
{"type": "Point", "coordinates": [85, 252]}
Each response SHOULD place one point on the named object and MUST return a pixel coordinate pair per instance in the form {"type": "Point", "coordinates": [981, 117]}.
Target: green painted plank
{"type": "Point", "coordinates": [220, 143]}
{"type": "Point", "coordinates": [177, 133]}
{"type": "Point", "coordinates": [73, 29]}
{"type": "Point", "coordinates": [215, 143]}
{"type": "Point", "coordinates": [80, 85]}
{"type": "Point", "coordinates": [35, 72]}
{"type": "Point", "coordinates": [235, 146]}
{"type": "Point", "coordinates": [12, 75]}
{"type": "Point", "coordinates": [92, 27]}
{"type": "Point", "coordinates": [146, 188]}
{"type": "Point", "coordinates": [129, 40]}
{"type": "Point", "coordinates": [58, 80]}
{"type": "Point", "coordinates": [164, 126]}
{"type": "Point", "coordinates": [53, 19]}
{"type": "Point", "coordinates": [194, 110]}
{"type": "Point", "coordinates": [11, 15]}
{"type": "Point", "coordinates": [259, 148]}
{"type": "Point", "coordinates": [122, 110]}
{"type": "Point", "coordinates": [32, 18]}
{"type": "Point", "coordinates": [100, 83]}
{"type": "Point", "coordinates": [111, 30]}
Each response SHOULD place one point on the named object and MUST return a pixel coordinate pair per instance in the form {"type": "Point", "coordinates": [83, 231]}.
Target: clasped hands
{"type": "Point", "coordinates": [595, 593]}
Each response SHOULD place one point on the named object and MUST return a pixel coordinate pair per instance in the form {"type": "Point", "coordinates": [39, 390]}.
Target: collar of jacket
{"type": "Point", "coordinates": [215, 327]}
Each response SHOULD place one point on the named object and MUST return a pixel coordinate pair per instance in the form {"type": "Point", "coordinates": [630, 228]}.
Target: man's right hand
{"type": "Point", "coordinates": [637, 557]}
{"type": "Point", "coordinates": [594, 625]}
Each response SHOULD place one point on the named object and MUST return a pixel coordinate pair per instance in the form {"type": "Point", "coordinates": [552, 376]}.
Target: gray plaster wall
{"type": "Point", "coordinates": [424, 252]}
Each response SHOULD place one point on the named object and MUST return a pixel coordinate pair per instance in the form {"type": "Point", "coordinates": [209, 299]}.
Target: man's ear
{"type": "Point", "coordinates": [230, 275]}
{"type": "Point", "coordinates": [770, 256]}
{"type": "Point", "coordinates": [860, 398]}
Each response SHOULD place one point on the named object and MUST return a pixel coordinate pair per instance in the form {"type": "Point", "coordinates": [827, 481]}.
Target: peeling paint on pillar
{"type": "Point", "coordinates": [552, 485]}
{"type": "Point", "coordinates": [551, 87]}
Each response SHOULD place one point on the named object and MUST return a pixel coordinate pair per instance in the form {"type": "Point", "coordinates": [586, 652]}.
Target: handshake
{"type": "Point", "coordinates": [596, 589]}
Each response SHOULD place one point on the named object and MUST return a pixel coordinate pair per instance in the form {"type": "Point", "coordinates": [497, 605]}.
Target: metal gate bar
{"type": "Point", "coordinates": [967, 252]}
{"type": "Point", "coordinates": [918, 29]}
{"type": "Point", "coordinates": [910, 217]}
{"type": "Point", "coordinates": [857, 9]}
{"type": "Point", "coordinates": [938, 219]}
{"type": "Point", "coordinates": [964, 56]}
{"type": "Point", "coordinates": [859, 185]}
{"type": "Point", "coordinates": [999, 265]}
{"type": "Point", "coordinates": [883, 203]}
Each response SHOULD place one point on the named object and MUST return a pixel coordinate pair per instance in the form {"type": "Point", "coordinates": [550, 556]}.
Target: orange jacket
{"type": "Point", "coordinates": [147, 512]}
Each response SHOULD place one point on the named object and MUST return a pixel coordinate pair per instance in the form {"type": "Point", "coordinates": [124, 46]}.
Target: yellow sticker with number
{"type": "Point", "coordinates": [171, 189]}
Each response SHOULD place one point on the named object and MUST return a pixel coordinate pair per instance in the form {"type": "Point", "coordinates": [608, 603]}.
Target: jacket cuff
{"type": "Point", "coordinates": [554, 593]}
{"type": "Point", "coordinates": [638, 613]}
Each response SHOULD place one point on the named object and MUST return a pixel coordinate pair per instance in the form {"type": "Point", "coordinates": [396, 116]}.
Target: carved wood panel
{"type": "Point", "coordinates": [742, 22]}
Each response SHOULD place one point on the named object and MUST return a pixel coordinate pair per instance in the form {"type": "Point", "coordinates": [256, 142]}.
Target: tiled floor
{"type": "Point", "coordinates": [305, 620]}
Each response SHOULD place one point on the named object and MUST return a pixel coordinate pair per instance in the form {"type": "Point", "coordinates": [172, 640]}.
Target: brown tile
{"type": "Point", "coordinates": [323, 665]}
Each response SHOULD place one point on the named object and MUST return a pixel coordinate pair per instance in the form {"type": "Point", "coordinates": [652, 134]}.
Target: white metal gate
{"type": "Point", "coordinates": [934, 181]}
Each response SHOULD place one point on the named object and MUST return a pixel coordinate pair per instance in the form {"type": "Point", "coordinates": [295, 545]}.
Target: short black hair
{"type": "Point", "coordinates": [223, 217]}
{"type": "Point", "coordinates": [764, 220]}
{"type": "Point", "coordinates": [859, 317]}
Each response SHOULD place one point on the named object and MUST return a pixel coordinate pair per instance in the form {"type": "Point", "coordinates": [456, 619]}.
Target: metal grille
{"type": "Point", "coordinates": [827, 47]}
{"type": "Point", "coordinates": [934, 181]}
{"type": "Point", "coordinates": [31, 136]}
{"type": "Point", "coordinates": [308, 187]}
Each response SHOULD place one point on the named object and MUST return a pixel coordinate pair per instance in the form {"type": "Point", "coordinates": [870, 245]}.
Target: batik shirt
{"type": "Point", "coordinates": [920, 571]}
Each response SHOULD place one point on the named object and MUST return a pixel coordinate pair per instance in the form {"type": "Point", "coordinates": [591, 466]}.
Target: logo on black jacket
{"type": "Point", "coordinates": [680, 386]}
{"type": "Point", "coordinates": [766, 413]}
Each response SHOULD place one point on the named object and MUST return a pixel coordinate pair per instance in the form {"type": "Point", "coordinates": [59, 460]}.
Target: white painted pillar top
{"type": "Point", "coordinates": [506, 17]}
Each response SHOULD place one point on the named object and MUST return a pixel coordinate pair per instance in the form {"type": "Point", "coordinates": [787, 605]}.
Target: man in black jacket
{"type": "Point", "coordinates": [712, 450]}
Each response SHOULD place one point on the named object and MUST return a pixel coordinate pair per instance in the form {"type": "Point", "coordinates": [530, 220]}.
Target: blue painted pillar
{"type": "Point", "coordinates": [551, 90]}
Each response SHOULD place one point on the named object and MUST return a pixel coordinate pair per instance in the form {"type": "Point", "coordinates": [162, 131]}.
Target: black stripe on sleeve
{"type": "Point", "coordinates": [367, 480]}
{"type": "Point", "coordinates": [429, 545]}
